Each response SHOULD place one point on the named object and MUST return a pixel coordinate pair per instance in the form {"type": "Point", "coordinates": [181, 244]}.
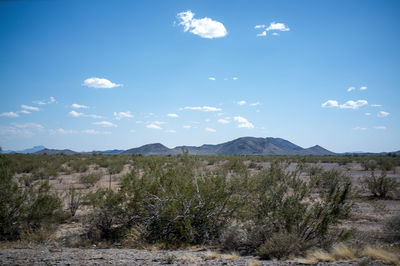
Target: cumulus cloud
{"type": "Point", "coordinates": [223, 121]}
{"type": "Point", "coordinates": [243, 122]}
{"type": "Point", "coordinates": [95, 132]}
{"type": "Point", "coordinates": [75, 114]}
{"type": "Point", "coordinates": [105, 124]}
{"type": "Point", "coordinates": [383, 114]}
{"type": "Point", "coordinates": [208, 129]}
{"type": "Point", "coordinates": [241, 102]}
{"type": "Point", "coordinates": [153, 126]}
{"type": "Point", "coordinates": [330, 103]}
{"type": "Point", "coordinates": [121, 115]}
{"type": "Point", "coordinates": [347, 105]}
{"type": "Point", "coordinates": [51, 100]}
{"type": "Point", "coordinates": [63, 131]}
{"type": "Point", "coordinates": [9, 114]}
{"type": "Point", "coordinates": [173, 115]}
{"type": "Point", "coordinates": [363, 88]}
{"type": "Point", "coordinates": [351, 89]}
{"type": "Point", "coordinates": [380, 127]}
{"type": "Point", "coordinates": [30, 108]}
{"type": "Point", "coordinates": [79, 106]}
{"type": "Point", "coordinates": [203, 108]}
{"type": "Point", "coordinates": [353, 104]}
{"type": "Point", "coordinates": [100, 83]}
{"type": "Point", "coordinates": [211, 78]}
{"type": "Point", "coordinates": [204, 27]}
{"type": "Point", "coordinates": [273, 26]}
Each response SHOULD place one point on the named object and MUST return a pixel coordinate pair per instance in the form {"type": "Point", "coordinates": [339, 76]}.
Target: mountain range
{"type": "Point", "coordinates": [240, 146]}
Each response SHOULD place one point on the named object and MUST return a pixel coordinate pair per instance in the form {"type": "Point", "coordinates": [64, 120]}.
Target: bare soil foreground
{"type": "Point", "coordinates": [76, 256]}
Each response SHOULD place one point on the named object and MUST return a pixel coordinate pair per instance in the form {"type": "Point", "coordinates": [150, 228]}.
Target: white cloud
{"type": "Point", "coordinates": [211, 78]}
{"type": "Point", "coordinates": [275, 34]}
{"type": "Point", "coordinates": [208, 129]}
{"type": "Point", "coordinates": [52, 100]}
{"type": "Point", "coordinates": [376, 105]}
{"type": "Point", "coordinates": [330, 103]}
{"type": "Point", "coordinates": [75, 114]}
{"type": "Point", "coordinates": [99, 83]}
{"type": "Point", "coordinates": [105, 124]}
{"type": "Point", "coordinates": [79, 106]}
{"type": "Point", "coordinates": [380, 127]}
{"type": "Point", "coordinates": [383, 114]}
{"type": "Point", "coordinates": [9, 114]}
{"type": "Point", "coordinates": [205, 27]}
{"type": "Point", "coordinates": [28, 125]}
{"type": "Point", "coordinates": [353, 104]}
{"type": "Point", "coordinates": [351, 89]}
{"type": "Point", "coordinates": [25, 112]}
{"type": "Point", "coordinates": [243, 122]}
{"type": "Point", "coordinates": [272, 27]}
{"type": "Point", "coordinates": [170, 131]}
{"type": "Point", "coordinates": [94, 116]}
{"type": "Point", "coordinates": [363, 88]}
{"type": "Point", "coordinates": [241, 102]}
{"type": "Point", "coordinates": [187, 127]}
{"type": "Point", "coordinates": [262, 34]}
{"type": "Point", "coordinates": [121, 115]}
{"type": "Point", "coordinates": [153, 126]}
{"type": "Point", "coordinates": [173, 115]}
{"type": "Point", "coordinates": [39, 102]}
{"type": "Point", "coordinates": [255, 104]}
{"type": "Point", "coordinates": [159, 122]}
{"type": "Point", "coordinates": [367, 113]}
{"type": "Point", "coordinates": [360, 128]}
{"type": "Point", "coordinates": [235, 78]}
{"type": "Point", "coordinates": [63, 131]}
{"type": "Point", "coordinates": [30, 108]}
{"type": "Point", "coordinates": [223, 121]}
{"type": "Point", "coordinates": [203, 108]}
{"type": "Point", "coordinates": [95, 132]}
{"type": "Point", "coordinates": [24, 130]}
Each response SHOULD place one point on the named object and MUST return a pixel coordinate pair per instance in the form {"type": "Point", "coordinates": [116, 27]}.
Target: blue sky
{"type": "Point", "coordinates": [95, 75]}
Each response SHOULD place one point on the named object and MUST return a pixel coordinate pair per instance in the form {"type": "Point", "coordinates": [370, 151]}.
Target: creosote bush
{"type": "Point", "coordinates": [380, 186]}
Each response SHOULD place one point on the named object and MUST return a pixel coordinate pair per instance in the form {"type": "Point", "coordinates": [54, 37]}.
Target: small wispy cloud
{"type": "Point", "coordinates": [223, 121]}
{"type": "Point", "coordinates": [351, 89]}
{"type": "Point", "coordinates": [360, 128]}
{"type": "Point", "coordinates": [204, 27]}
{"type": "Point", "coordinates": [121, 115]}
{"type": "Point", "coordinates": [100, 83]}
{"type": "Point", "coordinates": [23, 130]}
{"type": "Point", "coordinates": [9, 114]}
{"type": "Point", "coordinates": [187, 127]}
{"type": "Point", "coordinates": [243, 122]}
{"type": "Point", "coordinates": [63, 131]}
{"type": "Point", "coordinates": [255, 104]}
{"type": "Point", "coordinates": [51, 100]}
{"type": "Point", "coordinates": [30, 108]}
{"type": "Point", "coordinates": [153, 126]}
{"type": "Point", "coordinates": [380, 127]}
{"type": "Point", "coordinates": [212, 78]}
{"type": "Point", "coordinates": [170, 131]}
{"type": "Point", "coordinates": [75, 114]}
{"type": "Point", "coordinates": [367, 113]}
{"type": "Point", "coordinates": [347, 105]}
{"type": "Point", "coordinates": [24, 112]}
{"type": "Point", "coordinates": [241, 102]}
{"type": "Point", "coordinates": [208, 129]}
{"type": "Point", "coordinates": [96, 132]}
{"type": "Point", "coordinates": [363, 88]}
{"type": "Point", "coordinates": [79, 106]}
{"type": "Point", "coordinates": [203, 108]}
{"type": "Point", "coordinates": [376, 105]}
{"type": "Point", "coordinates": [272, 27]}
{"type": "Point", "coordinates": [235, 78]}
{"type": "Point", "coordinates": [383, 114]}
{"type": "Point", "coordinates": [330, 103]}
{"type": "Point", "coordinates": [173, 115]}
{"type": "Point", "coordinates": [104, 124]}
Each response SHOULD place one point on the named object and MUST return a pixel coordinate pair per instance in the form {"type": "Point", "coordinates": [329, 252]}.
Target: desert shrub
{"type": "Point", "coordinates": [392, 228]}
{"type": "Point", "coordinates": [74, 200]}
{"type": "Point", "coordinates": [24, 209]}
{"type": "Point", "coordinates": [78, 164]}
{"type": "Point", "coordinates": [235, 165]}
{"type": "Point", "coordinates": [90, 179]}
{"type": "Point", "coordinates": [281, 245]}
{"type": "Point", "coordinates": [369, 164]}
{"type": "Point", "coordinates": [380, 186]}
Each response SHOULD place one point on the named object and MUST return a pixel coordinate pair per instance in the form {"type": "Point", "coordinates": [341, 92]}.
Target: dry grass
{"type": "Point", "coordinates": [211, 255]}
{"type": "Point", "coordinates": [381, 255]}
{"type": "Point", "coordinates": [253, 263]}
{"type": "Point", "coordinates": [320, 255]}
{"type": "Point", "coordinates": [188, 258]}
{"type": "Point", "coordinates": [232, 256]}
{"type": "Point", "coordinates": [341, 251]}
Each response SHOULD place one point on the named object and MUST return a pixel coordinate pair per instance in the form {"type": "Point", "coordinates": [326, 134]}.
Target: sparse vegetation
{"type": "Point", "coordinates": [380, 186]}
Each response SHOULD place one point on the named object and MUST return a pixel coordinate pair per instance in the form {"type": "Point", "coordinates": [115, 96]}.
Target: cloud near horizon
{"type": "Point", "coordinates": [243, 122]}
{"type": "Point", "coordinates": [121, 115]}
{"type": "Point", "coordinates": [204, 27]}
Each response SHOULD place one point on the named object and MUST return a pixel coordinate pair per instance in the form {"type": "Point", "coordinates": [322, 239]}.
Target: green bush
{"type": "Point", "coordinates": [392, 228]}
{"type": "Point", "coordinates": [90, 179]}
{"type": "Point", "coordinates": [380, 186]}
